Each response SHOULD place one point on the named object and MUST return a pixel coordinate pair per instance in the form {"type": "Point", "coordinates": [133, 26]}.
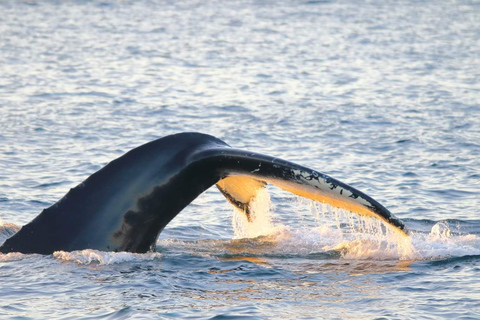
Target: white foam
{"type": "Point", "coordinates": [89, 256]}
{"type": "Point", "coordinates": [353, 236]}
{"type": "Point", "coordinates": [442, 243]}
{"type": "Point", "coordinates": [15, 256]}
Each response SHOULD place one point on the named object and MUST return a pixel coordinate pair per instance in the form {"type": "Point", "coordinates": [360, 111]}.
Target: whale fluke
{"type": "Point", "coordinates": [125, 205]}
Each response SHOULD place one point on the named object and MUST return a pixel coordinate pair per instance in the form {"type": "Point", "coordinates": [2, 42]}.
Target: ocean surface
{"type": "Point", "coordinates": [382, 95]}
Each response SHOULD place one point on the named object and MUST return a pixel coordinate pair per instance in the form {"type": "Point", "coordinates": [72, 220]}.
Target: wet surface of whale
{"type": "Point", "coordinates": [125, 205]}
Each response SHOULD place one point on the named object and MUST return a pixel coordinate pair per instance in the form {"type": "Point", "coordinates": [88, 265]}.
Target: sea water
{"type": "Point", "coordinates": [382, 95]}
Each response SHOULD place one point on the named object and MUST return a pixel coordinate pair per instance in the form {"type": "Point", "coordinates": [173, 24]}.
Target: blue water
{"type": "Point", "coordinates": [383, 95]}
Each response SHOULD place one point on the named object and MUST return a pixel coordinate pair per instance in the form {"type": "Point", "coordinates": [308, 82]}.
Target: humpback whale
{"type": "Point", "coordinates": [125, 205]}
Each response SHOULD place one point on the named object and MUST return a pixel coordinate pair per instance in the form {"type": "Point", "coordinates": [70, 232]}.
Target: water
{"type": "Point", "coordinates": [383, 95]}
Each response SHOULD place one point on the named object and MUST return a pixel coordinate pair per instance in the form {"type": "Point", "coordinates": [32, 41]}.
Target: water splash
{"type": "Point", "coordinates": [16, 256]}
{"type": "Point", "coordinates": [442, 242]}
{"type": "Point", "coordinates": [440, 231]}
{"type": "Point", "coordinates": [354, 237]}
{"type": "Point", "coordinates": [88, 256]}
{"type": "Point", "coordinates": [261, 223]}
{"type": "Point", "coordinates": [360, 238]}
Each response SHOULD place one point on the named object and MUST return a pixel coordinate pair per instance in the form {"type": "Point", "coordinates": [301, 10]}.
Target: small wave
{"type": "Point", "coordinates": [454, 260]}
{"type": "Point", "coordinates": [15, 256]}
{"type": "Point", "coordinates": [7, 230]}
{"type": "Point", "coordinates": [88, 256]}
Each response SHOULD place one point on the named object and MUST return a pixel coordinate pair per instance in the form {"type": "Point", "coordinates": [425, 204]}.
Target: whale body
{"type": "Point", "coordinates": [125, 205]}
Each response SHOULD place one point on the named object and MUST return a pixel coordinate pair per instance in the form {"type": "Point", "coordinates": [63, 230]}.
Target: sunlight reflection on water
{"type": "Point", "coordinates": [381, 95]}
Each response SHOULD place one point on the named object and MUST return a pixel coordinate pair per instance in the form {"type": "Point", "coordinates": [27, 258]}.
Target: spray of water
{"type": "Point", "coordinates": [261, 223]}
{"type": "Point", "coordinates": [352, 236]}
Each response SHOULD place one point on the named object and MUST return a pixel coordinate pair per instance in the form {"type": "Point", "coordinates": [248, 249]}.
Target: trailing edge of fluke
{"type": "Point", "coordinates": [125, 205]}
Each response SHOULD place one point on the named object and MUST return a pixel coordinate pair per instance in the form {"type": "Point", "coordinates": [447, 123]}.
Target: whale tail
{"type": "Point", "coordinates": [125, 205]}
{"type": "Point", "coordinates": [253, 171]}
